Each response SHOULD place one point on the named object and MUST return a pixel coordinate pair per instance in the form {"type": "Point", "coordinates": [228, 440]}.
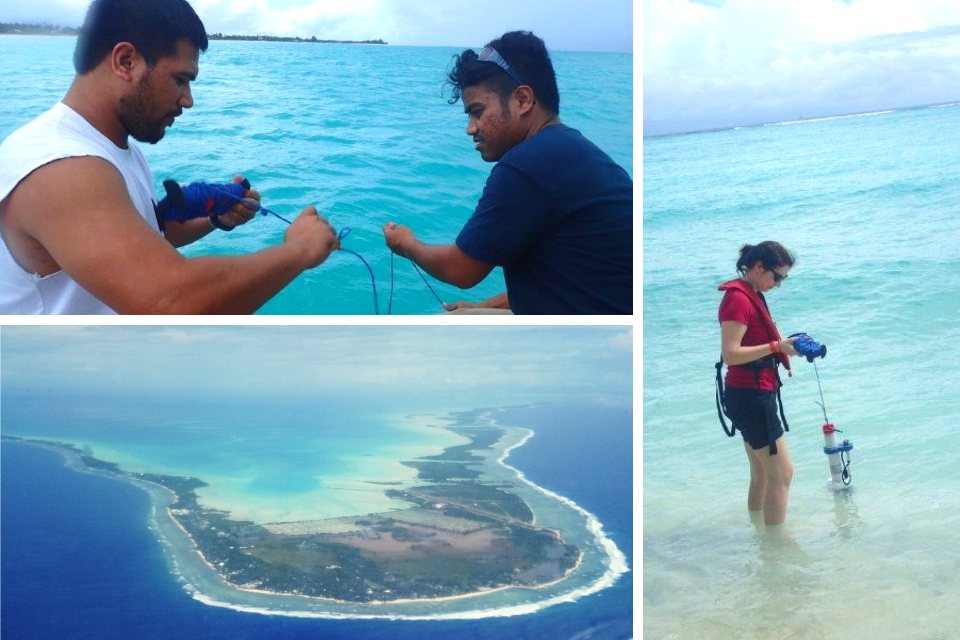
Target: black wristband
{"type": "Point", "coordinates": [215, 223]}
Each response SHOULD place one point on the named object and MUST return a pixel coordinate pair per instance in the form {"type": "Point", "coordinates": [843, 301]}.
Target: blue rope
{"type": "Point", "coordinates": [373, 281]}
{"type": "Point", "coordinates": [253, 204]}
{"type": "Point", "coordinates": [390, 303]}
{"type": "Point", "coordinates": [424, 278]}
{"type": "Point", "coordinates": [202, 199]}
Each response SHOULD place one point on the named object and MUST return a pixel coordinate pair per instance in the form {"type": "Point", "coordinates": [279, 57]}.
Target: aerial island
{"type": "Point", "coordinates": [30, 29]}
{"type": "Point", "coordinates": [461, 537]}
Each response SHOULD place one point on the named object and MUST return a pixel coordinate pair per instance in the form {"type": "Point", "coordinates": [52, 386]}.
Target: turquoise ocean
{"type": "Point", "coordinates": [360, 131]}
{"type": "Point", "coordinates": [870, 206]}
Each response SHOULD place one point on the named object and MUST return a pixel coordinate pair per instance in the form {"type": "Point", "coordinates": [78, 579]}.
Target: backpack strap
{"type": "Point", "coordinates": [721, 402]}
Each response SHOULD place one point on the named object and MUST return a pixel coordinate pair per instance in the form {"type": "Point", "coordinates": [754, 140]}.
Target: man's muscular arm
{"type": "Point", "coordinates": [75, 214]}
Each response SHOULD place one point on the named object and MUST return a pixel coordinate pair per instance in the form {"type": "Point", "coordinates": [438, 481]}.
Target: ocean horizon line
{"type": "Point", "coordinates": [803, 120]}
{"type": "Point", "coordinates": [379, 42]}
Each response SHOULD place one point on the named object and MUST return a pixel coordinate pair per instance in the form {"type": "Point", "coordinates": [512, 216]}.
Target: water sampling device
{"type": "Point", "coordinates": [838, 455]}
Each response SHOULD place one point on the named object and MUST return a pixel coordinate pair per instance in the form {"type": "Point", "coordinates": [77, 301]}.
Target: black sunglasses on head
{"type": "Point", "coordinates": [489, 54]}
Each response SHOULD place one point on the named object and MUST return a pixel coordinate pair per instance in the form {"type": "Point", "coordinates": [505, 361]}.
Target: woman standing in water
{"type": "Point", "coordinates": [752, 349]}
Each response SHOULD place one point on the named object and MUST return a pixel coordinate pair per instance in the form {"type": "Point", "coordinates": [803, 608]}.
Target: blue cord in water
{"type": "Point", "coordinates": [424, 278]}
{"type": "Point", "coordinates": [256, 205]}
{"type": "Point", "coordinates": [373, 281]}
{"type": "Point", "coordinates": [203, 199]}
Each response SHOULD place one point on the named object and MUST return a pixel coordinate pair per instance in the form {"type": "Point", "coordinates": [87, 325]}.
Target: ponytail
{"type": "Point", "coordinates": [769, 253]}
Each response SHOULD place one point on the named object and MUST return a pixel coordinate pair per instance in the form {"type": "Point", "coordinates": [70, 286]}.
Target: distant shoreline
{"type": "Point", "coordinates": [803, 120]}
{"type": "Point", "coordinates": [32, 29]}
{"type": "Point", "coordinates": [311, 40]}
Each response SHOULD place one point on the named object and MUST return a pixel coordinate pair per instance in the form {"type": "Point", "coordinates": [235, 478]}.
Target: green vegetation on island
{"type": "Point", "coordinates": [312, 39]}
{"type": "Point", "coordinates": [454, 462]}
{"type": "Point", "coordinates": [20, 28]}
{"type": "Point", "coordinates": [459, 538]}
{"type": "Point", "coordinates": [480, 438]}
{"type": "Point", "coordinates": [441, 471]}
{"type": "Point", "coordinates": [480, 498]}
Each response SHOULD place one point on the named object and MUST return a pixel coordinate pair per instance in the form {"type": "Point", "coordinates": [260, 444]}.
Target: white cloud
{"type": "Point", "coordinates": [601, 25]}
{"type": "Point", "coordinates": [623, 341]}
{"type": "Point", "coordinates": [750, 61]}
{"type": "Point", "coordinates": [321, 18]}
{"type": "Point", "coordinates": [185, 335]}
{"type": "Point", "coordinates": [320, 361]}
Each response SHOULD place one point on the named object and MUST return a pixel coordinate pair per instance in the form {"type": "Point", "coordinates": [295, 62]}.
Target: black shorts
{"type": "Point", "coordinates": [754, 414]}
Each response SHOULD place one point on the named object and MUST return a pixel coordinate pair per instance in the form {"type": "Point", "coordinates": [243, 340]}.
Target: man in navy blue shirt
{"type": "Point", "coordinates": [556, 212]}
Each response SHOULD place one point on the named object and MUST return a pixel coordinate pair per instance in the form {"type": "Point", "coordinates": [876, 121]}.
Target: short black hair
{"type": "Point", "coordinates": [152, 26]}
{"type": "Point", "coordinates": [525, 53]}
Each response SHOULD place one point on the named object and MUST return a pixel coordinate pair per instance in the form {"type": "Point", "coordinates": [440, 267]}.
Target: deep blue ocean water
{"type": "Point", "coordinates": [79, 561]}
{"type": "Point", "coordinates": [869, 205]}
{"type": "Point", "coordinates": [360, 131]}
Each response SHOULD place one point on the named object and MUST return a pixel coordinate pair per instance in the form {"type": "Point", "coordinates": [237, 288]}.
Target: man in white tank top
{"type": "Point", "coordinates": [77, 222]}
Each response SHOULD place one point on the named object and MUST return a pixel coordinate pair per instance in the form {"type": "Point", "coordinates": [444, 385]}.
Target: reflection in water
{"type": "Point", "coordinates": [781, 575]}
{"type": "Point", "coordinates": [788, 581]}
{"type": "Point", "coordinates": [846, 516]}
{"type": "Point", "coordinates": [844, 565]}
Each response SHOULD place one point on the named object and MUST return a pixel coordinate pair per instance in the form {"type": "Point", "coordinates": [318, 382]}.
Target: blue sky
{"type": "Point", "coordinates": [738, 62]}
{"type": "Point", "coordinates": [498, 365]}
{"type": "Point", "coordinates": [571, 25]}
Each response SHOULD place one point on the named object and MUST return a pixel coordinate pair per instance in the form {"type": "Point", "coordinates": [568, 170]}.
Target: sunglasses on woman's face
{"type": "Point", "coordinates": [778, 277]}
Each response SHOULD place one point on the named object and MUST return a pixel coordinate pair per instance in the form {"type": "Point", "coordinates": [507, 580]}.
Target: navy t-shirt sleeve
{"type": "Point", "coordinates": [512, 214]}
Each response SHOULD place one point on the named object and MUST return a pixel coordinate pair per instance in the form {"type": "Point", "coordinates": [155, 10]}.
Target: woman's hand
{"type": "Point", "coordinates": [786, 347]}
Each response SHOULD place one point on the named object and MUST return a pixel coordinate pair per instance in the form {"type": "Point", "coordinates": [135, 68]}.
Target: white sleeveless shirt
{"type": "Point", "coordinates": [60, 133]}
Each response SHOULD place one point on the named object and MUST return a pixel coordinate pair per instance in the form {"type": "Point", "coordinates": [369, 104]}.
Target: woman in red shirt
{"type": "Point", "coordinates": [752, 349]}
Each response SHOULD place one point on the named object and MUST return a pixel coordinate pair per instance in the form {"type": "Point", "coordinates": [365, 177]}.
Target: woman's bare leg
{"type": "Point", "coordinates": [758, 481]}
{"type": "Point", "coordinates": [778, 471]}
